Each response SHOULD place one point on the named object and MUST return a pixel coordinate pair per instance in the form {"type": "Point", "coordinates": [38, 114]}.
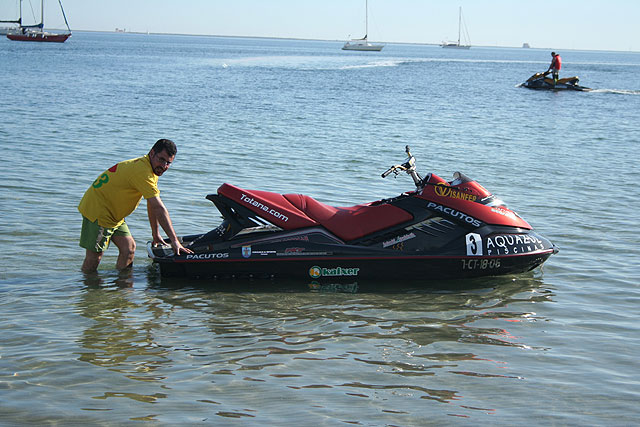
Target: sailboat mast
{"type": "Point", "coordinates": [64, 15]}
{"type": "Point", "coordinates": [42, 14]}
{"type": "Point", "coordinates": [366, 19]}
{"type": "Point", "coordinates": [459, 23]}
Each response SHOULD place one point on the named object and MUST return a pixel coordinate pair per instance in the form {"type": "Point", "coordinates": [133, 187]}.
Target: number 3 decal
{"type": "Point", "coordinates": [474, 244]}
{"type": "Point", "coordinates": [102, 179]}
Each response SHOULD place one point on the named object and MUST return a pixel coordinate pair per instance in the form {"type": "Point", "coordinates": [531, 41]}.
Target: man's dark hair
{"type": "Point", "coordinates": [165, 144]}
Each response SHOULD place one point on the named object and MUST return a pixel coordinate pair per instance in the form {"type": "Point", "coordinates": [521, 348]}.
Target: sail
{"type": "Point", "coordinates": [13, 21]}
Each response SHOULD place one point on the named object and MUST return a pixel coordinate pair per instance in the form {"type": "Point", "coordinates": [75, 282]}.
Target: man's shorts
{"type": "Point", "coordinates": [96, 238]}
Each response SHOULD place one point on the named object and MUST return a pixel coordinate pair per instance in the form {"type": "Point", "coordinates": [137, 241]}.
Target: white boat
{"type": "Point", "coordinates": [4, 30]}
{"type": "Point", "coordinates": [461, 26]}
{"type": "Point", "coordinates": [363, 43]}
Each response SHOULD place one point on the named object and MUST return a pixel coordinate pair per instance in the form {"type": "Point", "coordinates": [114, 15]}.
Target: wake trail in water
{"type": "Point", "coordinates": [613, 91]}
{"type": "Point", "coordinates": [616, 91]}
{"type": "Point", "coordinates": [375, 64]}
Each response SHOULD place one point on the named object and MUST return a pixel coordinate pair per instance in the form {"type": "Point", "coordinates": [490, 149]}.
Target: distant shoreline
{"type": "Point", "coordinates": [339, 40]}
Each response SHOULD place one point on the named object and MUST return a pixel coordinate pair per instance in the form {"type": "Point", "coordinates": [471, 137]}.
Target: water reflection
{"type": "Point", "coordinates": [120, 335]}
{"type": "Point", "coordinates": [123, 279]}
{"type": "Point", "coordinates": [246, 345]}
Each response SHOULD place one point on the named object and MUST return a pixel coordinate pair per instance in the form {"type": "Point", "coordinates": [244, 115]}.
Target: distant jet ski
{"type": "Point", "coordinates": [541, 81]}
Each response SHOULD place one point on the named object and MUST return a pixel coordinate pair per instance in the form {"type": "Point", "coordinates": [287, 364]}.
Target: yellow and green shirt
{"type": "Point", "coordinates": [118, 191]}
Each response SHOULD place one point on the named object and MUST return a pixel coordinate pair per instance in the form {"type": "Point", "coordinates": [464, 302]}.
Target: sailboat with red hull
{"type": "Point", "coordinates": [36, 33]}
{"type": "Point", "coordinates": [38, 36]}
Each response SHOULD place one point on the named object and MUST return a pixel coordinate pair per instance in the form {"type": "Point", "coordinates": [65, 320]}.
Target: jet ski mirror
{"type": "Point", "coordinates": [409, 166]}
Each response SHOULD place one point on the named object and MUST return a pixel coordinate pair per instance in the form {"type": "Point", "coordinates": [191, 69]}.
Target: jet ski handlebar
{"type": "Point", "coordinates": [409, 166]}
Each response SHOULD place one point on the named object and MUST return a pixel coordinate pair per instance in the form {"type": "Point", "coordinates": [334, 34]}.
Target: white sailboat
{"type": "Point", "coordinates": [363, 43]}
{"type": "Point", "coordinates": [461, 26]}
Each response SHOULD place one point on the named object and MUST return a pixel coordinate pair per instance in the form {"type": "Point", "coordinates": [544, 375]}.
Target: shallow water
{"type": "Point", "coordinates": [554, 346]}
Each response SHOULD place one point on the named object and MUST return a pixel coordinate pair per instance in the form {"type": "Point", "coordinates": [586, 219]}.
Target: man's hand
{"type": "Point", "coordinates": [158, 241]}
{"type": "Point", "coordinates": [177, 248]}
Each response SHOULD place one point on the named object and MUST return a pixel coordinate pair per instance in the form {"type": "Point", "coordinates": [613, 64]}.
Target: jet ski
{"type": "Point", "coordinates": [440, 230]}
{"type": "Point", "coordinates": [541, 81]}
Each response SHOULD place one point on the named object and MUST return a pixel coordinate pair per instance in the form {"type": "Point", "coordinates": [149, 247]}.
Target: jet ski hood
{"type": "Point", "coordinates": [465, 197]}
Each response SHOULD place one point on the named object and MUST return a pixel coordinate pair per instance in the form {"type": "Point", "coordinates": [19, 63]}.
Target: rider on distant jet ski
{"type": "Point", "coordinates": [554, 67]}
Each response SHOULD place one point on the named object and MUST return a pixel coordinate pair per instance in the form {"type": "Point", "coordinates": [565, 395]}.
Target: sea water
{"type": "Point", "coordinates": [555, 346]}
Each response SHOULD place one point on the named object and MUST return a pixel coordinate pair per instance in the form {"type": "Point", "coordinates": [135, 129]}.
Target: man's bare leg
{"type": "Point", "coordinates": [91, 261]}
{"type": "Point", "coordinates": [127, 247]}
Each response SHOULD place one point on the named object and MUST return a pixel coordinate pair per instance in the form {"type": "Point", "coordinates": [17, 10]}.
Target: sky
{"type": "Point", "coordinates": [554, 24]}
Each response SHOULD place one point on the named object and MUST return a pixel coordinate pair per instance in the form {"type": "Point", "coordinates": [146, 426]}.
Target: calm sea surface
{"type": "Point", "coordinates": [557, 346]}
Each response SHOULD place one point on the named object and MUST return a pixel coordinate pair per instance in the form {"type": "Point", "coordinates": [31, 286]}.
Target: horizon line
{"type": "Point", "coordinates": [335, 40]}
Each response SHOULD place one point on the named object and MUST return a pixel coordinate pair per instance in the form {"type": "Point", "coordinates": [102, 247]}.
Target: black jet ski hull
{"type": "Point", "coordinates": [310, 256]}
{"type": "Point", "coordinates": [372, 268]}
{"type": "Point", "coordinates": [557, 87]}
{"type": "Point", "coordinates": [540, 82]}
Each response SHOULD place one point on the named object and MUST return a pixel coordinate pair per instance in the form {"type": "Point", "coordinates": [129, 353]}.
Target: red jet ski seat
{"type": "Point", "coordinates": [293, 211]}
{"type": "Point", "coordinates": [350, 223]}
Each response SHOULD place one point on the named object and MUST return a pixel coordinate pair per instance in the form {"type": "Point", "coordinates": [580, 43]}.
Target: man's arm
{"type": "Point", "coordinates": [155, 226]}
{"type": "Point", "coordinates": [159, 217]}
